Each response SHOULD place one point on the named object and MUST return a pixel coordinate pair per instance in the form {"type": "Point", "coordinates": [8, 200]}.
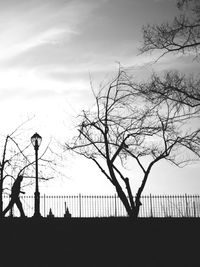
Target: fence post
{"type": "Point", "coordinates": [44, 202]}
{"type": "Point", "coordinates": [194, 206]}
{"type": "Point", "coordinates": [186, 203]}
{"type": "Point", "coordinates": [115, 197]}
{"type": "Point", "coordinates": [80, 205]}
{"type": "Point", "coordinates": [151, 211]}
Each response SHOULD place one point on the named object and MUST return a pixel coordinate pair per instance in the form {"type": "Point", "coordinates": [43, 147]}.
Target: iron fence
{"type": "Point", "coordinates": [110, 206]}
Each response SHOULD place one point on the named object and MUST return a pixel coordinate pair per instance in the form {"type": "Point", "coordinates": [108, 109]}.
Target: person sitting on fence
{"type": "Point", "coordinates": [15, 191]}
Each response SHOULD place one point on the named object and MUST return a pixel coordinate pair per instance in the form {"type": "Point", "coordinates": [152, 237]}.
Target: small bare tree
{"type": "Point", "coordinates": [18, 158]}
{"type": "Point", "coordinates": [9, 160]}
{"type": "Point", "coordinates": [125, 127]}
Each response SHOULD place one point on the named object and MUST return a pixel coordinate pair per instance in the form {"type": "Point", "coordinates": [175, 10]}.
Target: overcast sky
{"type": "Point", "coordinates": [48, 51]}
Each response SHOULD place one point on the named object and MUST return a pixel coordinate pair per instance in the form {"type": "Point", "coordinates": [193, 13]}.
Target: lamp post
{"type": "Point", "coordinates": [36, 140]}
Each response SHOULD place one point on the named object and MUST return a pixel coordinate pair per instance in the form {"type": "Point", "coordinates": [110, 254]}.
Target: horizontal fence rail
{"type": "Point", "coordinates": [88, 206]}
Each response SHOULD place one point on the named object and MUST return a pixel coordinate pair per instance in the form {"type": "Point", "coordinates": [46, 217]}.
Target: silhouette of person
{"type": "Point", "coordinates": [15, 191]}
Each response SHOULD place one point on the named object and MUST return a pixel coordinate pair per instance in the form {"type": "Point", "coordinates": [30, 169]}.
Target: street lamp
{"type": "Point", "coordinates": [36, 140]}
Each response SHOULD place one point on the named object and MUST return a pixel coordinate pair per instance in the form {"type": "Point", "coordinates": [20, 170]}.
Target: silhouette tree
{"type": "Point", "coordinates": [182, 89]}
{"type": "Point", "coordinates": [9, 160]}
{"type": "Point", "coordinates": [18, 159]}
{"type": "Point", "coordinates": [181, 36]}
{"type": "Point", "coordinates": [125, 126]}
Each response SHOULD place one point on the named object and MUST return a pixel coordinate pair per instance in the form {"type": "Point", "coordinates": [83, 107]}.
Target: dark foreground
{"type": "Point", "coordinates": [99, 242]}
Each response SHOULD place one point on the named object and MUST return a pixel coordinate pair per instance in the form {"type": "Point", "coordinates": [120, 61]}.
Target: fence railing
{"type": "Point", "coordinates": [110, 206]}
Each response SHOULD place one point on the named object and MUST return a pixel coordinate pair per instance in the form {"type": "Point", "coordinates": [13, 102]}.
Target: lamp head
{"type": "Point", "coordinates": [36, 140]}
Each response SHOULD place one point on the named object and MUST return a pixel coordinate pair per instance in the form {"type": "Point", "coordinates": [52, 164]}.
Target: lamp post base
{"type": "Point", "coordinates": [37, 215]}
{"type": "Point", "coordinates": [37, 205]}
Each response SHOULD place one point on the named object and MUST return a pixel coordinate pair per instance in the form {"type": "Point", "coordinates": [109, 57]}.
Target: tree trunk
{"type": "Point", "coordinates": [124, 200]}
{"type": "Point", "coordinates": [136, 211]}
{"type": "Point", "coordinates": [1, 197]}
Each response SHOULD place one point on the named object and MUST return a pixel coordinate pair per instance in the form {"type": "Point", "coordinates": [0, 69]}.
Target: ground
{"type": "Point", "coordinates": [99, 242]}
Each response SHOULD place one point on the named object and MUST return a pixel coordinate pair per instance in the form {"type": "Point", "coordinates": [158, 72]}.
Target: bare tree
{"type": "Point", "coordinates": [182, 89]}
{"type": "Point", "coordinates": [18, 158]}
{"type": "Point", "coordinates": [9, 160]}
{"type": "Point", "coordinates": [124, 127]}
{"type": "Point", "coordinates": [182, 35]}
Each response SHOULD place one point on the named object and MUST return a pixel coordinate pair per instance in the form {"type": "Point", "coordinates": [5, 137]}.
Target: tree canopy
{"type": "Point", "coordinates": [125, 125]}
{"type": "Point", "coordinates": [182, 35]}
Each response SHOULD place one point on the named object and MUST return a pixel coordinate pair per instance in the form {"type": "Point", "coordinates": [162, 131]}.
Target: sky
{"type": "Point", "coordinates": [49, 51]}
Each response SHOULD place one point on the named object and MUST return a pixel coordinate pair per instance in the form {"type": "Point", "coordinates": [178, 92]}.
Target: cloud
{"type": "Point", "coordinates": [21, 94]}
{"type": "Point", "coordinates": [39, 23]}
{"type": "Point", "coordinates": [57, 33]}
{"type": "Point", "coordinates": [50, 36]}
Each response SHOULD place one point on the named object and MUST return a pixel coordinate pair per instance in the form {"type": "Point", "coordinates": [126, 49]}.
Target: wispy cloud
{"type": "Point", "coordinates": [50, 36]}
{"type": "Point", "coordinates": [28, 26]}
{"type": "Point", "coordinates": [50, 44]}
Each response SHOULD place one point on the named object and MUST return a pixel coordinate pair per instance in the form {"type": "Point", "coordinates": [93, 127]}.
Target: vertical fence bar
{"type": "Point", "coordinates": [186, 205]}
{"type": "Point", "coordinates": [151, 206]}
{"type": "Point", "coordinates": [181, 206]}
{"type": "Point", "coordinates": [115, 201]}
{"type": "Point", "coordinates": [194, 209]}
{"type": "Point", "coordinates": [44, 203]}
{"type": "Point", "coordinates": [80, 205]}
